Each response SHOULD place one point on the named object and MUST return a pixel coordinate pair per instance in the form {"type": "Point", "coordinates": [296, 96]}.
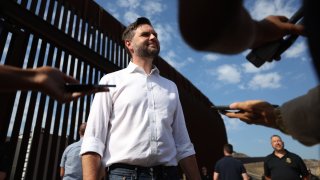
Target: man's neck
{"type": "Point", "coordinates": [144, 63]}
{"type": "Point", "coordinates": [280, 153]}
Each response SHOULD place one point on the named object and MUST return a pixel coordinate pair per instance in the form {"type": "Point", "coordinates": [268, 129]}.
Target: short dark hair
{"type": "Point", "coordinates": [228, 148]}
{"type": "Point", "coordinates": [128, 32]}
{"type": "Point", "coordinates": [275, 135]}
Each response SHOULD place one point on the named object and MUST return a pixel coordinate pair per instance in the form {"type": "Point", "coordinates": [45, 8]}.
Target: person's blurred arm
{"type": "Point", "coordinates": [245, 176]}
{"type": "Point", "coordinates": [91, 166]}
{"type": "Point", "coordinates": [215, 176]}
{"type": "Point", "coordinates": [267, 178]}
{"type": "Point", "coordinates": [61, 172]}
{"type": "Point", "coordinates": [226, 27]}
{"type": "Point", "coordinates": [190, 167]}
{"type": "Point", "coordinates": [49, 80]}
{"type": "Point", "coordinates": [300, 117]}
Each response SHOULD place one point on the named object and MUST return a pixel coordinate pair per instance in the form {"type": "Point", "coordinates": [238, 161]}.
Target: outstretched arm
{"type": "Point", "coordinates": [46, 79]}
{"type": "Point", "coordinates": [298, 117]}
{"type": "Point", "coordinates": [254, 112]}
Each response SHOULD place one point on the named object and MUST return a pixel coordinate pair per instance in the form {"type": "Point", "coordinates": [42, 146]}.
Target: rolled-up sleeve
{"type": "Point", "coordinates": [182, 140]}
{"type": "Point", "coordinates": [301, 117]}
{"type": "Point", "coordinates": [97, 125]}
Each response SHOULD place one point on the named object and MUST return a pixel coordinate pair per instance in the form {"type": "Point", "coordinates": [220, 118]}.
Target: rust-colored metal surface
{"type": "Point", "coordinates": [84, 41]}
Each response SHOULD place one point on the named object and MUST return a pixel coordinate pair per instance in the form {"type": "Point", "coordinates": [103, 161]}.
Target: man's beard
{"type": "Point", "coordinates": [147, 52]}
{"type": "Point", "coordinates": [278, 148]}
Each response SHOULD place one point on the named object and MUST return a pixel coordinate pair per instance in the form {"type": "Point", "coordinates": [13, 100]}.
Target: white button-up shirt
{"type": "Point", "coordinates": [139, 122]}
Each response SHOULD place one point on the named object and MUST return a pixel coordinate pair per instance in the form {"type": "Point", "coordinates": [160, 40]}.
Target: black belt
{"type": "Point", "coordinates": [141, 168]}
{"type": "Point", "coordinates": [156, 169]}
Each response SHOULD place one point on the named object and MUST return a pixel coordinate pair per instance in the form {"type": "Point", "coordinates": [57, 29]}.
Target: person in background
{"type": "Point", "coordinates": [229, 168]}
{"type": "Point", "coordinates": [70, 165]}
{"type": "Point", "coordinates": [229, 29]}
{"type": "Point", "coordinates": [138, 129]}
{"type": "Point", "coordinates": [282, 164]}
{"type": "Point", "coordinates": [204, 174]}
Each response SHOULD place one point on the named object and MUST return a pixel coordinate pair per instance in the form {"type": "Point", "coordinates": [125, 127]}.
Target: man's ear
{"type": "Point", "coordinates": [127, 43]}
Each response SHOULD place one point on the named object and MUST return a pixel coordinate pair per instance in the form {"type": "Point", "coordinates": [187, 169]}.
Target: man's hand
{"type": "Point", "coordinates": [254, 112]}
{"type": "Point", "coordinates": [273, 28]}
{"type": "Point", "coordinates": [52, 82]}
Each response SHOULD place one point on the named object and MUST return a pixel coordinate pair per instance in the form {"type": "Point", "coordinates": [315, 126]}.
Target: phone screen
{"type": "Point", "coordinates": [224, 108]}
{"type": "Point", "coordinates": [221, 108]}
{"type": "Point", "coordinates": [86, 87]}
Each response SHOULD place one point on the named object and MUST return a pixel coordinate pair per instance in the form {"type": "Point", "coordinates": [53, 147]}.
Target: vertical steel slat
{"type": "Point", "coordinates": [82, 100]}
{"type": "Point", "coordinates": [83, 29]}
{"type": "Point", "coordinates": [99, 42]}
{"type": "Point", "coordinates": [93, 38]}
{"type": "Point", "coordinates": [121, 57]}
{"type": "Point", "coordinates": [108, 43]}
{"type": "Point", "coordinates": [88, 103]}
{"type": "Point", "coordinates": [103, 41]}
{"type": "Point", "coordinates": [50, 11]}
{"type": "Point", "coordinates": [42, 8]}
{"type": "Point", "coordinates": [112, 58]}
{"type": "Point", "coordinates": [33, 5]}
{"type": "Point", "coordinates": [3, 37]}
{"type": "Point", "coordinates": [24, 3]}
{"type": "Point", "coordinates": [57, 15]}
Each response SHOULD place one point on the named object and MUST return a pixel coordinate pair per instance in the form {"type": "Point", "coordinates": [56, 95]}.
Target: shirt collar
{"type": "Point", "coordinates": [283, 155]}
{"type": "Point", "coordinates": [131, 68]}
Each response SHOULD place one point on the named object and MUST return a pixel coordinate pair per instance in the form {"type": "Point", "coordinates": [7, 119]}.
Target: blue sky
{"type": "Point", "coordinates": [228, 78]}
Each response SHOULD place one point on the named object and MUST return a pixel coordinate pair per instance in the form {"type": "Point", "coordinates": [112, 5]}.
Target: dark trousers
{"type": "Point", "coordinates": [130, 172]}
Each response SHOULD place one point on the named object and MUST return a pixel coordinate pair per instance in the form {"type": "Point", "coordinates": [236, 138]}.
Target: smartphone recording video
{"type": "Point", "coordinates": [86, 87]}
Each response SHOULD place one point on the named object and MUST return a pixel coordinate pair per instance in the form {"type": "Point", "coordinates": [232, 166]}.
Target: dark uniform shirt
{"type": "Point", "coordinates": [289, 167]}
{"type": "Point", "coordinates": [229, 168]}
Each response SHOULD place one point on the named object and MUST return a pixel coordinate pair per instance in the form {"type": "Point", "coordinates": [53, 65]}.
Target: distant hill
{"type": "Point", "coordinates": [238, 154]}
{"type": "Point", "coordinates": [256, 169]}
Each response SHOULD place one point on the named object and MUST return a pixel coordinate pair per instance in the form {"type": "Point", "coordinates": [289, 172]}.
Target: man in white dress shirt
{"type": "Point", "coordinates": [138, 129]}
